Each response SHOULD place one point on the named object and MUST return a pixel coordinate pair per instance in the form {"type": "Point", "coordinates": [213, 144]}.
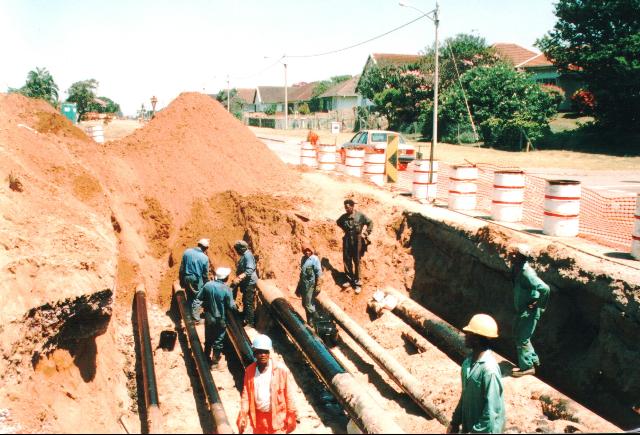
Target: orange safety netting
{"type": "Point", "coordinates": [604, 220]}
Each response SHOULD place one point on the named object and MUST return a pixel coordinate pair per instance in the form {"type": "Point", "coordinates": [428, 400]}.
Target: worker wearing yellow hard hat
{"type": "Point", "coordinates": [481, 405]}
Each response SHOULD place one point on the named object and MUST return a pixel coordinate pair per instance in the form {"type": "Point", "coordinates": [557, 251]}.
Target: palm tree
{"type": "Point", "coordinates": [40, 84]}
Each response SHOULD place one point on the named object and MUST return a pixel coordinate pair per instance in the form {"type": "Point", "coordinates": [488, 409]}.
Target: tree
{"type": "Point", "coordinates": [40, 84]}
{"type": "Point", "coordinates": [507, 105]}
{"type": "Point", "coordinates": [458, 55]}
{"type": "Point", "coordinates": [599, 41]}
{"type": "Point", "coordinates": [103, 105]}
{"type": "Point", "coordinates": [83, 93]}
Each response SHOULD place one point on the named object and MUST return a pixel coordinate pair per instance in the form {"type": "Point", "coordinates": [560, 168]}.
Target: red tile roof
{"type": "Point", "coordinates": [521, 57]}
{"type": "Point", "coordinates": [302, 92]}
{"type": "Point", "coordinates": [395, 59]}
{"type": "Point", "coordinates": [246, 95]}
{"type": "Point", "coordinates": [343, 89]}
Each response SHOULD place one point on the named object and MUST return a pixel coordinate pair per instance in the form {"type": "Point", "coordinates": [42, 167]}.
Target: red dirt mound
{"type": "Point", "coordinates": [194, 148]}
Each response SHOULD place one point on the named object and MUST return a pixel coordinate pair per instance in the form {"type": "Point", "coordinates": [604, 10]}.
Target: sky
{"type": "Point", "coordinates": [138, 49]}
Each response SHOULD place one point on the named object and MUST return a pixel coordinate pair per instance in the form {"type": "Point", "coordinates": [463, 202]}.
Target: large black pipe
{"type": "Point", "coordinates": [215, 404]}
{"type": "Point", "coordinates": [360, 406]}
{"type": "Point", "coordinates": [151, 400]}
{"type": "Point", "coordinates": [239, 339]}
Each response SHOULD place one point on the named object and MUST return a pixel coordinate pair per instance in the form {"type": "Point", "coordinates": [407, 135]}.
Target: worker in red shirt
{"type": "Point", "coordinates": [267, 394]}
{"type": "Point", "coordinates": [312, 137]}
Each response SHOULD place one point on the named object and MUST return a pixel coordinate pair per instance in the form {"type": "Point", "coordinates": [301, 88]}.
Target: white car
{"type": "Point", "coordinates": [377, 139]}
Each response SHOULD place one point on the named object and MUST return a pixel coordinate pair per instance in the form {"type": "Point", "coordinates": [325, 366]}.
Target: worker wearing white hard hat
{"type": "Point", "coordinates": [194, 273]}
{"type": "Point", "coordinates": [530, 298]}
{"type": "Point", "coordinates": [217, 300]}
{"type": "Point", "coordinates": [267, 395]}
{"type": "Point", "coordinates": [481, 405]}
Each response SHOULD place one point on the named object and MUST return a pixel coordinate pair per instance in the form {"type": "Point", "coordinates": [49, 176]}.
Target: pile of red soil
{"type": "Point", "coordinates": [194, 148]}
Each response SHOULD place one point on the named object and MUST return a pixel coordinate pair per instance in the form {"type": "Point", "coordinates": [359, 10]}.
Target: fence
{"type": "Point", "coordinates": [605, 220]}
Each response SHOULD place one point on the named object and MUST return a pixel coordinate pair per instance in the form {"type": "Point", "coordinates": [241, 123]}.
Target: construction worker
{"type": "Point", "coordinates": [530, 297]}
{"type": "Point", "coordinates": [312, 137]}
{"type": "Point", "coordinates": [354, 242]}
{"type": "Point", "coordinates": [310, 273]}
{"type": "Point", "coordinates": [194, 273]}
{"type": "Point", "coordinates": [267, 395]}
{"type": "Point", "coordinates": [246, 279]}
{"type": "Point", "coordinates": [481, 405]}
{"type": "Point", "coordinates": [216, 299]}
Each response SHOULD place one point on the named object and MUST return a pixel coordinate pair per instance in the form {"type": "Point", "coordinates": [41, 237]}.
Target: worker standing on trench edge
{"type": "Point", "coordinates": [246, 279]}
{"type": "Point", "coordinates": [354, 242]}
{"type": "Point", "coordinates": [310, 273]}
{"type": "Point", "coordinates": [193, 274]}
{"type": "Point", "coordinates": [267, 394]}
{"type": "Point", "coordinates": [481, 406]}
{"type": "Point", "coordinates": [217, 300]}
{"type": "Point", "coordinates": [530, 297]}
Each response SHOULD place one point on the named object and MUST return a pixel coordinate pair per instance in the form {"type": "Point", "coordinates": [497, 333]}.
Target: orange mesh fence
{"type": "Point", "coordinates": [604, 220]}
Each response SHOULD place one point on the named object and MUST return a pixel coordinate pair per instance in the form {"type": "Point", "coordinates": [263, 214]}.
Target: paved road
{"type": "Point", "coordinates": [606, 183]}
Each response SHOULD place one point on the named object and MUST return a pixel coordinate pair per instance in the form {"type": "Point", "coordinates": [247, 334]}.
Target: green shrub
{"type": "Point", "coordinates": [505, 104]}
{"type": "Point", "coordinates": [271, 110]}
{"type": "Point", "coordinates": [303, 109]}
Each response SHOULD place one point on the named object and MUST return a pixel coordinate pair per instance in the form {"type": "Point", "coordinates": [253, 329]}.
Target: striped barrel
{"type": "Point", "coordinates": [561, 208]}
{"type": "Point", "coordinates": [326, 157]}
{"type": "Point", "coordinates": [635, 243]}
{"type": "Point", "coordinates": [425, 179]}
{"type": "Point", "coordinates": [308, 155]}
{"type": "Point", "coordinates": [508, 196]}
{"type": "Point", "coordinates": [374, 165]}
{"type": "Point", "coordinates": [353, 162]}
{"type": "Point", "coordinates": [463, 187]}
{"type": "Point", "coordinates": [96, 132]}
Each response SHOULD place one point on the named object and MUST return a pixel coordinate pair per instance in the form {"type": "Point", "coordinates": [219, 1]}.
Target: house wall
{"type": "Point", "coordinates": [342, 103]}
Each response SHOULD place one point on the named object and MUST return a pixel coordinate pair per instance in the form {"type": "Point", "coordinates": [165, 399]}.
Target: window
{"type": "Point", "coordinates": [355, 138]}
{"type": "Point", "coordinates": [363, 138]}
{"type": "Point", "coordinates": [379, 137]}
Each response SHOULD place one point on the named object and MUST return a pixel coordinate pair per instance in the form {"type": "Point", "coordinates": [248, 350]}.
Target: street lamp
{"type": "Point", "coordinates": [154, 100]}
{"type": "Point", "coordinates": [286, 102]}
{"type": "Point", "coordinates": [436, 78]}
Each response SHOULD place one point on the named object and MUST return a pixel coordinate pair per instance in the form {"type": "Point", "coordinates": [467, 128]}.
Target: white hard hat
{"type": "Point", "coordinates": [524, 249]}
{"type": "Point", "coordinates": [482, 324]}
{"type": "Point", "coordinates": [262, 342]}
{"type": "Point", "coordinates": [222, 272]}
{"type": "Point", "coordinates": [204, 243]}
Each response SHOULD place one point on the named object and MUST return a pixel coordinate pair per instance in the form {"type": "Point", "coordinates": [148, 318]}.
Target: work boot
{"type": "Point", "coordinates": [358, 289]}
{"type": "Point", "coordinates": [518, 373]}
{"type": "Point", "coordinates": [346, 284]}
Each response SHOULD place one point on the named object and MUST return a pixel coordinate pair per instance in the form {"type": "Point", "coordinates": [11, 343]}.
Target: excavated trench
{"type": "Point", "coordinates": [586, 339]}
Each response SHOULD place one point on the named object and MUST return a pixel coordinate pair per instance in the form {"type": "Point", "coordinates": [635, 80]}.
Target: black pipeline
{"type": "Point", "coordinates": [154, 416]}
{"type": "Point", "coordinates": [215, 404]}
{"type": "Point", "coordinates": [361, 407]}
{"type": "Point", "coordinates": [239, 339]}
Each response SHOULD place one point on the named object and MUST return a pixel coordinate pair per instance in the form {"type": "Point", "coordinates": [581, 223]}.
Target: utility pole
{"type": "Point", "coordinates": [434, 140]}
{"type": "Point", "coordinates": [286, 101]}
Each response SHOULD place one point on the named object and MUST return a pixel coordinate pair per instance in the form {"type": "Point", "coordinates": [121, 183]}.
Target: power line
{"type": "Point", "coordinates": [257, 73]}
{"type": "Point", "coordinates": [299, 56]}
{"type": "Point", "coordinates": [359, 43]}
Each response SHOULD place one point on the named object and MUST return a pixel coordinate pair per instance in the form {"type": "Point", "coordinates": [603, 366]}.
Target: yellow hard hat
{"type": "Point", "coordinates": [482, 324]}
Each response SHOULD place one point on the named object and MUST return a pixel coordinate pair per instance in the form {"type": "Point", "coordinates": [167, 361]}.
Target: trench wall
{"type": "Point", "coordinates": [587, 339]}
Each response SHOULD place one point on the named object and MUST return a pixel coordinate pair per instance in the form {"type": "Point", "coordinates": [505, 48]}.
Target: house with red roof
{"type": "Point", "coordinates": [542, 69]}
